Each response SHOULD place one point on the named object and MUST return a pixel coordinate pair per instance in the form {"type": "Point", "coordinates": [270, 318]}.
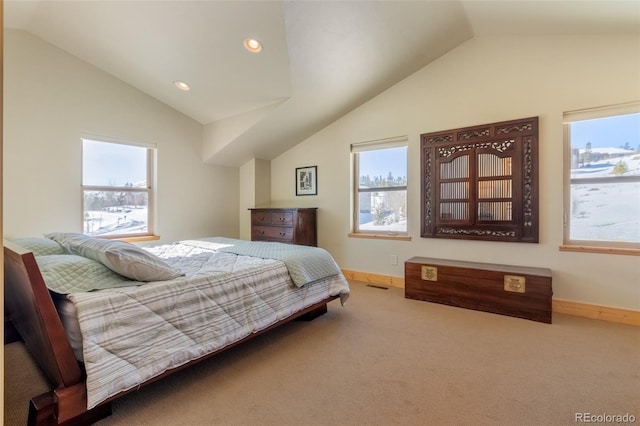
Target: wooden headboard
{"type": "Point", "coordinates": [31, 310]}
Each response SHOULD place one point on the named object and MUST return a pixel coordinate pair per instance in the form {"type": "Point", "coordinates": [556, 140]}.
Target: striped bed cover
{"type": "Point", "coordinates": [132, 334]}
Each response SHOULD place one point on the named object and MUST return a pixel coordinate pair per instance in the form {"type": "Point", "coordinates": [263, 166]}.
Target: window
{"type": "Point", "coordinates": [380, 188]}
{"type": "Point", "coordinates": [602, 175]}
{"type": "Point", "coordinates": [481, 182]}
{"type": "Point", "coordinates": [116, 189]}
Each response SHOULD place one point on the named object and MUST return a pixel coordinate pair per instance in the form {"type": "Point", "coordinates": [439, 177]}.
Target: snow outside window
{"type": "Point", "coordinates": [602, 174]}
{"type": "Point", "coordinates": [116, 189]}
{"type": "Point", "coordinates": [380, 187]}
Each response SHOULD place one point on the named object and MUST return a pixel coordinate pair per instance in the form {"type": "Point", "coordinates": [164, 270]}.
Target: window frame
{"type": "Point", "coordinates": [149, 190]}
{"type": "Point", "coordinates": [592, 246]}
{"type": "Point", "coordinates": [356, 149]}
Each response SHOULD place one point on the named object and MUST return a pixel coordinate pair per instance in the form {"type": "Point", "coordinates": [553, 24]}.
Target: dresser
{"type": "Point", "coordinates": [285, 225]}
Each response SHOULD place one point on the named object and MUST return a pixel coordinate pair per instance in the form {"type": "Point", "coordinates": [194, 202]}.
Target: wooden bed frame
{"type": "Point", "coordinates": [31, 310]}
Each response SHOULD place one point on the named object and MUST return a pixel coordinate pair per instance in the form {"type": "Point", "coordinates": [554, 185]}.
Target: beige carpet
{"type": "Point", "coordinates": [386, 360]}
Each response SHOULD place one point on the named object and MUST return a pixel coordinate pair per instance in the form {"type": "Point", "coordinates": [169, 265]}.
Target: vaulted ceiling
{"type": "Point", "coordinates": [320, 59]}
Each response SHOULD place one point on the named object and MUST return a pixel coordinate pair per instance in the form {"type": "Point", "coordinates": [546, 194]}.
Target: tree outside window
{"type": "Point", "coordinates": [116, 189]}
{"type": "Point", "coordinates": [380, 202]}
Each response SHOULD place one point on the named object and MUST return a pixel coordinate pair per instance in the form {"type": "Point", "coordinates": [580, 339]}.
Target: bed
{"type": "Point", "coordinates": [103, 318]}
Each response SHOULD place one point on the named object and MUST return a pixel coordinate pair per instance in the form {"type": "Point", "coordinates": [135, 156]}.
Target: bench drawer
{"type": "Point", "coordinates": [502, 289]}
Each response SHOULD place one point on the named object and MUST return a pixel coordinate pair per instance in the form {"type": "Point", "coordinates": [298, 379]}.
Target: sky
{"type": "Point", "coordinates": [381, 162]}
{"type": "Point", "coordinates": [607, 132]}
{"type": "Point", "coordinates": [603, 132]}
{"type": "Point", "coordinates": [103, 162]}
{"type": "Point", "coordinates": [113, 164]}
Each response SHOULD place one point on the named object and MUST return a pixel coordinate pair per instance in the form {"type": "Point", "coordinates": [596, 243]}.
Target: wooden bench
{"type": "Point", "coordinates": [516, 291]}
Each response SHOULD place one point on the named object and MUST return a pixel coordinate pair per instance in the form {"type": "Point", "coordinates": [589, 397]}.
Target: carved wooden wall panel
{"type": "Point", "coordinates": [481, 182]}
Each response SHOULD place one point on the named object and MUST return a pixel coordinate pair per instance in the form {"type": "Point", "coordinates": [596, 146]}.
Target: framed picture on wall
{"type": "Point", "coordinates": [307, 180]}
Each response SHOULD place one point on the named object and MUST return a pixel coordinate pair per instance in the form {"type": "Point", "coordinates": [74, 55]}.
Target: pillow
{"type": "Point", "coordinates": [69, 273]}
{"type": "Point", "coordinates": [40, 246]}
{"type": "Point", "coordinates": [123, 258]}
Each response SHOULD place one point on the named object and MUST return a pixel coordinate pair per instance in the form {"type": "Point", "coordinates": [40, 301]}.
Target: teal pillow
{"type": "Point", "coordinates": [69, 273]}
{"type": "Point", "coordinates": [40, 246]}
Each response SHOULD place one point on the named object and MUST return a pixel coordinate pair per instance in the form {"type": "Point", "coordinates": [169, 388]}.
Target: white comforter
{"type": "Point", "coordinates": [132, 334]}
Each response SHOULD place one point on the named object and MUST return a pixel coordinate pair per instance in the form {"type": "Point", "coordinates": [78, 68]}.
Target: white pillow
{"type": "Point", "coordinates": [124, 258]}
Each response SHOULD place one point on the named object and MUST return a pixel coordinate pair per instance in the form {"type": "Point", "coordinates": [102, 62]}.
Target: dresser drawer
{"type": "Point", "coordinates": [272, 218]}
{"type": "Point", "coordinates": [272, 233]}
{"type": "Point", "coordinates": [284, 225]}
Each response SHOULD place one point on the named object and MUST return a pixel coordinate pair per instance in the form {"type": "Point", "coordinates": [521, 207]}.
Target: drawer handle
{"type": "Point", "coordinates": [261, 232]}
{"type": "Point", "coordinates": [282, 234]}
{"type": "Point", "coordinates": [281, 219]}
{"type": "Point", "coordinates": [261, 218]}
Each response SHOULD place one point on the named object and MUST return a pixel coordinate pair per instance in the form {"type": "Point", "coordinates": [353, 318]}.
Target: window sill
{"type": "Point", "coordinates": [601, 250]}
{"type": "Point", "coordinates": [139, 239]}
{"type": "Point", "coordinates": [380, 236]}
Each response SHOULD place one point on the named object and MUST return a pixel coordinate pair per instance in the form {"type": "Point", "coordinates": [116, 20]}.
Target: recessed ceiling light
{"type": "Point", "coordinates": [182, 85]}
{"type": "Point", "coordinates": [252, 45]}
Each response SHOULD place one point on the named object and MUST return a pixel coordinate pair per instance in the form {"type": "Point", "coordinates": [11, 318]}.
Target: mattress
{"type": "Point", "coordinates": [128, 335]}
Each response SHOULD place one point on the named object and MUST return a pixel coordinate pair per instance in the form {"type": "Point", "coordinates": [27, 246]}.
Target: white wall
{"type": "Point", "coordinates": [484, 80]}
{"type": "Point", "coordinates": [255, 191]}
{"type": "Point", "coordinates": [51, 99]}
